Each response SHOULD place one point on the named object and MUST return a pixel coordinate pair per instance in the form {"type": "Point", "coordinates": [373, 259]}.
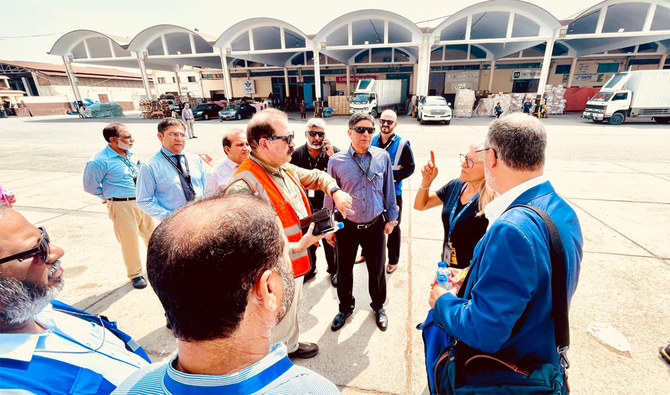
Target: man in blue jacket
{"type": "Point", "coordinates": [508, 312]}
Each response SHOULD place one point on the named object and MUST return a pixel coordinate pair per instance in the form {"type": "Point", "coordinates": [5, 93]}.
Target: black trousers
{"type": "Point", "coordinates": [329, 252]}
{"type": "Point", "coordinates": [371, 240]}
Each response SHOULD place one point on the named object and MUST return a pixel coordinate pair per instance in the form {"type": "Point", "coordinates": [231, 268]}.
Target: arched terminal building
{"type": "Point", "coordinates": [497, 46]}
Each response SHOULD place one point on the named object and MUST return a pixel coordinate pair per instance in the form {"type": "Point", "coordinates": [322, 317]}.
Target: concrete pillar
{"type": "Point", "coordinates": [348, 84]}
{"type": "Point", "coordinates": [72, 79]}
{"type": "Point", "coordinates": [423, 68]}
{"type": "Point", "coordinates": [227, 87]}
{"type": "Point", "coordinates": [493, 67]}
{"type": "Point", "coordinates": [546, 63]}
{"type": "Point", "coordinates": [145, 78]}
{"type": "Point", "coordinates": [662, 63]}
{"type": "Point", "coordinates": [176, 76]}
{"type": "Point", "coordinates": [317, 75]}
{"type": "Point", "coordinates": [286, 83]}
{"type": "Point", "coordinates": [571, 75]}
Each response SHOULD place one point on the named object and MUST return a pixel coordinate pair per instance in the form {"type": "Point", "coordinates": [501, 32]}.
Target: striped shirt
{"type": "Point", "coordinates": [274, 374]}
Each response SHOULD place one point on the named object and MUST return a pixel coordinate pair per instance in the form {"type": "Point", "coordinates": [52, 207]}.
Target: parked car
{"type": "Point", "coordinates": [237, 111]}
{"type": "Point", "coordinates": [434, 108]}
{"type": "Point", "coordinates": [206, 111]}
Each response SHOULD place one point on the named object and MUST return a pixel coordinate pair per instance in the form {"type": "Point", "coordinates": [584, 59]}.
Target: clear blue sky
{"type": "Point", "coordinates": [30, 27]}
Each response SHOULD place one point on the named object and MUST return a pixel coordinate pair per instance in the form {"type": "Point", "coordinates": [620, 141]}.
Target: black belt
{"type": "Point", "coordinates": [127, 199]}
{"type": "Point", "coordinates": [364, 225]}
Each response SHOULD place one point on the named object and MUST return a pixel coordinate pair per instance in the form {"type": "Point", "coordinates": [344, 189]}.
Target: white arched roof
{"type": "Point", "coordinates": [346, 35]}
{"type": "Point", "coordinates": [89, 44]}
{"type": "Point", "coordinates": [501, 27]}
{"type": "Point", "coordinates": [615, 24]}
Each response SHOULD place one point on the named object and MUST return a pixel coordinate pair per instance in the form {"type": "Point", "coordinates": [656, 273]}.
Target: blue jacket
{"type": "Point", "coordinates": [509, 311]}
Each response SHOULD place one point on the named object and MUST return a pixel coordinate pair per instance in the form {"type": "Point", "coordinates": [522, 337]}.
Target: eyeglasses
{"type": "Point", "coordinates": [363, 129]}
{"type": "Point", "coordinates": [468, 162]}
{"type": "Point", "coordinates": [386, 121]}
{"type": "Point", "coordinates": [288, 138]}
{"type": "Point", "coordinates": [495, 153]}
{"type": "Point", "coordinates": [177, 135]}
{"type": "Point", "coordinates": [42, 250]}
{"type": "Point", "coordinates": [314, 133]}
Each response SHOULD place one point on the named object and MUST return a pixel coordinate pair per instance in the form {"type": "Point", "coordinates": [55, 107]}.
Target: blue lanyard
{"type": "Point", "coordinates": [452, 220]}
{"type": "Point", "coordinates": [249, 386]}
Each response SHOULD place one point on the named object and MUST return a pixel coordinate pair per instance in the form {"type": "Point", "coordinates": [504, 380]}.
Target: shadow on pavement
{"type": "Point", "coordinates": [96, 304]}
{"type": "Point", "coordinates": [159, 344]}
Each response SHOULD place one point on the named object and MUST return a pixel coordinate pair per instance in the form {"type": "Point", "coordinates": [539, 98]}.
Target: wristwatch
{"type": "Point", "coordinates": [334, 189]}
{"type": "Point", "coordinates": [395, 222]}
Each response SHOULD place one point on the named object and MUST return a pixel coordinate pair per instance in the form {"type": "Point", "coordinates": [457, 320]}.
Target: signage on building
{"type": "Point", "coordinates": [526, 75]}
{"type": "Point", "coordinates": [248, 86]}
{"type": "Point", "coordinates": [341, 79]}
{"type": "Point", "coordinates": [462, 76]}
{"type": "Point", "coordinates": [591, 77]}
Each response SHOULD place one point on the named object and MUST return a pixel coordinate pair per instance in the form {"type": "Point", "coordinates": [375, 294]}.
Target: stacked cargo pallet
{"type": "Point", "coordinates": [465, 101]}
{"type": "Point", "coordinates": [339, 104]}
{"type": "Point", "coordinates": [554, 99]}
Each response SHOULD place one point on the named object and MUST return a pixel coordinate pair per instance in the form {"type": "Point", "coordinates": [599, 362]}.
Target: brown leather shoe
{"type": "Point", "coordinates": [391, 268]}
{"type": "Point", "coordinates": [304, 351]}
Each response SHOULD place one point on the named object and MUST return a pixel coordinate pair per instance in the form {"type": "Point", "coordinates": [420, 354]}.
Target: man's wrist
{"type": "Point", "coordinates": [334, 189]}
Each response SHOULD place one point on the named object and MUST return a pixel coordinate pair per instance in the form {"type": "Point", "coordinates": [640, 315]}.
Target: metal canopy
{"type": "Point", "coordinates": [347, 35]}
{"type": "Point", "coordinates": [500, 27]}
{"type": "Point", "coordinates": [615, 24]}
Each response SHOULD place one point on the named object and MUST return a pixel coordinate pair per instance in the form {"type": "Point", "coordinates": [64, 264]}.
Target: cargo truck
{"type": "Point", "coordinates": [374, 96]}
{"type": "Point", "coordinates": [632, 94]}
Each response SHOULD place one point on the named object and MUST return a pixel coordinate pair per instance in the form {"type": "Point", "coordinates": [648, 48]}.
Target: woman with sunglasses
{"type": "Point", "coordinates": [463, 200]}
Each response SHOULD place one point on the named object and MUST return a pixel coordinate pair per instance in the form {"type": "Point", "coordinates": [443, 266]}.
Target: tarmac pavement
{"type": "Point", "coordinates": [616, 177]}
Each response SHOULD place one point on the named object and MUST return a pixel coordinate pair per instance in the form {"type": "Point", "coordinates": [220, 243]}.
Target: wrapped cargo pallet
{"type": "Point", "coordinates": [465, 101]}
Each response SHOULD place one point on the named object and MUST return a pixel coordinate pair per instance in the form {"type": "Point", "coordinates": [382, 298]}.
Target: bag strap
{"type": "Point", "coordinates": [559, 292]}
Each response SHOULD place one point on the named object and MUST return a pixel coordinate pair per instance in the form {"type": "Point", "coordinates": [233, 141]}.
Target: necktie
{"type": "Point", "coordinates": [185, 184]}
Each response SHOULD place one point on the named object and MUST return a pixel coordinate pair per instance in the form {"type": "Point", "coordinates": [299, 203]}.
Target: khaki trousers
{"type": "Point", "coordinates": [189, 128]}
{"type": "Point", "coordinates": [287, 330]}
{"type": "Point", "coordinates": [129, 221]}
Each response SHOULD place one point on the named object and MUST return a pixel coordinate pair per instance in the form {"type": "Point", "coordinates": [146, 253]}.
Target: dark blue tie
{"type": "Point", "coordinates": [185, 184]}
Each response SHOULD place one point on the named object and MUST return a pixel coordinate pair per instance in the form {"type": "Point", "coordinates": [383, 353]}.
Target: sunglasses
{"type": "Point", "coordinates": [363, 129]}
{"type": "Point", "coordinates": [288, 138]}
{"type": "Point", "coordinates": [314, 134]}
{"type": "Point", "coordinates": [385, 121]}
{"type": "Point", "coordinates": [42, 250]}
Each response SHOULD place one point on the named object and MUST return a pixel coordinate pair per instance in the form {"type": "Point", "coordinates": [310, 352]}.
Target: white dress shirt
{"type": "Point", "coordinates": [220, 176]}
{"type": "Point", "coordinates": [497, 206]}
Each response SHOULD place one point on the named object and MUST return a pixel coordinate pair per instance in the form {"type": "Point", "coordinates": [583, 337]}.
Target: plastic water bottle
{"type": "Point", "coordinates": [443, 276]}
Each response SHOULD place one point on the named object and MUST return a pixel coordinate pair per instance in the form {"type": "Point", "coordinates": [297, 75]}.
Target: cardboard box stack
{"type": "Point", "coordinates": [519, 98]}
{"type": "Point", "coordinates": [554, 99]}
{"type": "Point", "coordinates": [339, 104]}
{"type": "Point", "coordinates": [486, 106]}
{"type": "Point", "coordinates": [465, 100]}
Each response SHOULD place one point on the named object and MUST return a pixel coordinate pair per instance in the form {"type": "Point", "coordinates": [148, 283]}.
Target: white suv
{"type": "Point", "coordinates": [434, 108]}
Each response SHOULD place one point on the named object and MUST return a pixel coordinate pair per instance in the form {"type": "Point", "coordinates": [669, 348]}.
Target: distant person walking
{"type": "Point", "coordinates": [303, 110]}
{"type": "Point", "coordinates": [527, 106]}
{"type": "Point", "coordinates": [187, 117]}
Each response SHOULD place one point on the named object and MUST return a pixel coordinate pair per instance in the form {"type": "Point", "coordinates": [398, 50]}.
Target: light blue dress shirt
{"type": "Point", "coordinates": [159, 190]}
{"type": "Point", "coordinates": [274, 374]}
{"type": "Point", "coordinates": [70, 342]}
{"type": "Point", "coordinates": [108, 174]}
{"type": "Point", "coordinates": [372, 193]}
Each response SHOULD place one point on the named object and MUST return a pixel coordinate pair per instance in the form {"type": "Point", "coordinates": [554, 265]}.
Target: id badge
{"type": "Point", "coordinates": [449, 254]}
{"type": "Point", "coordinates": [311, 193]}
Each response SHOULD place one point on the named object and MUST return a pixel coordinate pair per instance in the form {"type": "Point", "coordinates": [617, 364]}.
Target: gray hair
{"type": "Point", "coordinates": [263, 124]}
{"type": "Point", "coordinates": [316, 122]}
{"type": "Point", "coordinates": [360, 116]}
{"type": "Point", "coordinates": [519, 140]}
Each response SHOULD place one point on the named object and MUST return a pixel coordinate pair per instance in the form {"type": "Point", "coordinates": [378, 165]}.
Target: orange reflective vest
{"type": "Point", "coordinates": [262, 185]}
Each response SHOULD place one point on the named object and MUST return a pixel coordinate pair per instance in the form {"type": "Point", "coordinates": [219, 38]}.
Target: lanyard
{"type": "Point", "coordinates": [248, 386]}
{"type": "Point", "coordinates": [186, 176]}
{"type": "Point", "coordinates": [452, 220]}
{"type": "Point", "coordinates": [131, 167]}
{"type": "Point", "coordinates": [364, 170]}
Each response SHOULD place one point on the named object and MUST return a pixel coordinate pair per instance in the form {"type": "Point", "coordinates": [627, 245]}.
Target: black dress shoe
{"type": "Point", "coordinates": [382, 319]}
{"type": "Point", "coordinates": [339, 320]}
{"type": "Point", "coordinates": [333, 280]}
{"type": "Point", "coordinates": [304, 351]}
{"type": "Point", "coordinates": [309, 276]}
{"type": "Point", "coordinates": [139, 282]}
